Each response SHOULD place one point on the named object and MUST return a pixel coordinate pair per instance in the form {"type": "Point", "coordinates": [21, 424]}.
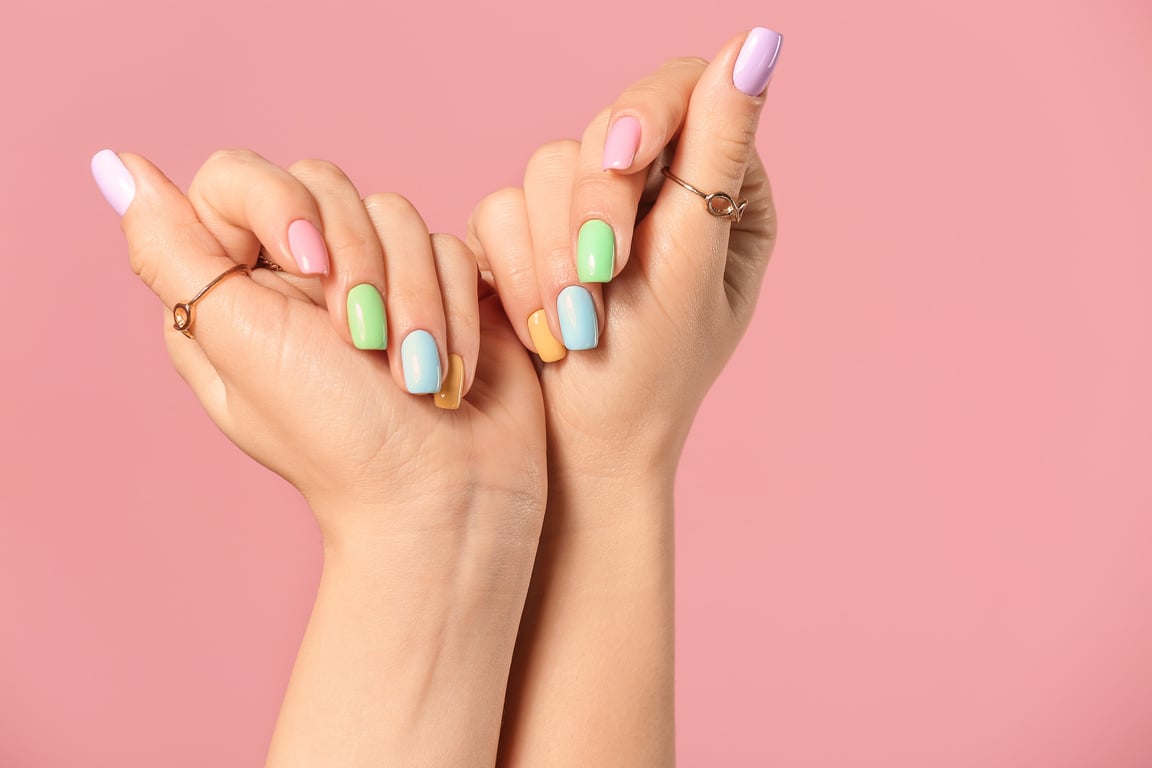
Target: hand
{"type": "Point", "coordinates": [430, 517]}
{"type": "Point", "coordinates": [595, 650]}
{"type": "Point", "coordinates": [287, 384]}
{"type": "Point", "coordinates": [673, 318]}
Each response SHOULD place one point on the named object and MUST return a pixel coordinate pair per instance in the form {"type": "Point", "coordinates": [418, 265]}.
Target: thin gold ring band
{"type": "Point", "coordinates": [183, 314]}
{"type": "Point", "coordinates": [719, 204]}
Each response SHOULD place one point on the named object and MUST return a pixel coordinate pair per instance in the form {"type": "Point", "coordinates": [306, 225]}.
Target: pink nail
{"type": "Point", "coordinates": [622, 144]}
{"type": "Point", "coordinates": [307, 247]}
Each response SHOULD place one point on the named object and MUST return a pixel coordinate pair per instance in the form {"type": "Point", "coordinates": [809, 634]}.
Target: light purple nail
{"type": "Point", "coordinates": [114, 180]}
{"type": "Point", "coordinates": [756, 61]}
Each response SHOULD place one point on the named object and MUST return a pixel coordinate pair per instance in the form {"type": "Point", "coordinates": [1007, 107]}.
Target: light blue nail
{"type": "Point", "coordinates": [578, 324]}
{"type": "Point", "coordinates": [421, 361]}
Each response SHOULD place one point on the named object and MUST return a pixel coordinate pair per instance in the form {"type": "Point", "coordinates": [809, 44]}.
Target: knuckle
{"type": "Point", "coordinates": [554, 154]}
{"type": "Point", "coordinates": [231, 156]}
{"type": "Point", "coordinates": [496, 205]}
{"type": "Point", "coordinates": [448, 246]}
{"type": "Point", "coordinates": [389, 205]}
{"type": "Point", "coordinates": [324, 172]}
{"type": "Point", "coordinates": [697, 63]}
{"type": "Point", "coordinates": [731, 147]}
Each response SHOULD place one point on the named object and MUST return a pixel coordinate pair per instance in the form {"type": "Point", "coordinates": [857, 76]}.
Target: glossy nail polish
{"type": "Point", "coordinates": [420, 360]}
{"type": "Point", "coordinates": [366, 319]}
{"type": "Point", "coordinates": [621, 144]}
{"type": "Point", "coordinates": [114, 180]}
{"type": "Point", "coordinates": [756, 60]}
{"type": "Point", "coordinates": [450, 392]}
{"type": "Point", "coordinates": [547, 347]}
{"type": "Point", "coordinates": [595, 252]}
{"type": "Point", "coordinates": [307, 247]}
{"type": "Point", "coordinates": [578, 323]}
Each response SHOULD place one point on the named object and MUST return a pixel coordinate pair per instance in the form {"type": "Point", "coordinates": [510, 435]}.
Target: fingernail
{"type": "Point", "coordinates": [307, 247]}
{"type": "Point", "coordinates": [595, 252]}
{"type": "Point", "coordinates": [114, 180]}
{"type": "Point", "coordinates": [421, 362]}
{"type": "Point", "coordinates": [756, 61]}
{"type": "Point", "coordinates": [549, 349]}
{"type": "Point", "coordinates": [622, 143]}
{"type": "Point", "coordinates": [578, 324]}
{"type": "Point", "coordinates": [366, 320]}
{"type": "Point", "coordinates": [448, 397]}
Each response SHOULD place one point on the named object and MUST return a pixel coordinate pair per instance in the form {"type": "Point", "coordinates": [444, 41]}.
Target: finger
{"type": "Point", "coordinates": [176, 256]}
{"type": "Point", "coordinates": [456, 274]}
{"type": "Point", "coordinates": [648, 115]}
{"type": "Point", "coordinates": [355, 289]}
{"type": "Point", "coordinates": [244, 200]}
{"type": "Point", "coordinates": [573, 310]}
{"type": "Point", "coordinates": [713, 152]}
{"type": "Point", "coordinates": [500, 237]}
{"type": "Point", "coordinates": [415, 310]}
{"type": "Point", "coordinates": [752, 242]}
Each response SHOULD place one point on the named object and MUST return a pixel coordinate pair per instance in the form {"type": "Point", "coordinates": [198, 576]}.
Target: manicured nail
{"type": "Point", "coordinates": [421, 361]}
{"type": "Point", "coordinates": [366, 320]}
{"type": "Point", "coordinates": [578, 324]}
{"type": "Point", "coordinates": [449, 395]}
{"type": "Point", "coordinates": [595, 252]}
{"type": "Point", "coordinates": [549, 349]}
{"type": "Point", "coordinates": [756, 61]}
{"type": "Point", "coordinates": [622, 144]}
{"type": "Point", "coordinates": [307, 247]}
{"type": "Point", "coordinates": [114, 180]}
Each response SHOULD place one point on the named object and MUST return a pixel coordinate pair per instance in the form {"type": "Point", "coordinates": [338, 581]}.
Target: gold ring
{"type": "Point", "coordinates": [184, 313]}
{"type": "Point", "coordinates": [719, 204]}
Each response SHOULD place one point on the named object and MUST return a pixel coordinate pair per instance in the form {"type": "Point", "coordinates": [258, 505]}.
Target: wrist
{"type": "Point", "coordinates": [460, 542]}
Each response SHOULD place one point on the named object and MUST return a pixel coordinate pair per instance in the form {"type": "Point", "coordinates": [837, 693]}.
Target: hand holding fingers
{"type": "Point", "coordinates": [264, 363]}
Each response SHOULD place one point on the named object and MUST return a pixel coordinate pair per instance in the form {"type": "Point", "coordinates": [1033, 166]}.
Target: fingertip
{"type": "Point", "coordinates": [114, 180]}
{"type": "Point", "coordinates": [757, 61]}
{"type": "Point", "coordinates": [621, 144]}
{"type": "Point", "coordinates": [452, 390]}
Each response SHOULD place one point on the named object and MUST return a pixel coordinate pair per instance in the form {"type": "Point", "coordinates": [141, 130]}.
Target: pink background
{"type": "Point", "coordinates": [915, 513]}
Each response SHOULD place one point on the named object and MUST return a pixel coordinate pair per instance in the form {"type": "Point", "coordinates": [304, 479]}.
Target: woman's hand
{"type": "Point", "coordinates": [430, 516]}
{"type": "Point", "coordinates": [275, 359]}
{"type": "Point", "coordinates": [663, 329]}
{"type": "Point", "coordinates": [596, 643]}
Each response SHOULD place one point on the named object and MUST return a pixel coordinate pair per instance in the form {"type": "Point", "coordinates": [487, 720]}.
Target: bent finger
{"type": "Point", "coordinates": [245, 200]}
{"type": "Point", "coordinates": [648, 115]}
{"type": "Point", "coordinates": [177, 258]}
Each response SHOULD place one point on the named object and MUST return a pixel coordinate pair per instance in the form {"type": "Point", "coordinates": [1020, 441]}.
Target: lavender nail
{"type": "Point", "coordinates": [756, 61]}
{"type": "Point", "coordinates": [114, 180]}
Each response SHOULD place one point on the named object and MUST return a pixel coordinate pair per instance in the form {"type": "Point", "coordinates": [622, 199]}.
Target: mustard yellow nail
{"type": "Point", "coordinates": [549, 349]}
{"type": "Point", "coordinates": [449, 395]}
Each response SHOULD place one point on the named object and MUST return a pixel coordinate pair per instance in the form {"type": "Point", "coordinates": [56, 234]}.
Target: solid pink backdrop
{"type": "Point", "coordinates": [915, 513]}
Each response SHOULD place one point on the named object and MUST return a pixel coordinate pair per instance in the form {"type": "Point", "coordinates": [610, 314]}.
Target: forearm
{"type": "Point", "coordinates": [406, 656]}
{"type": "Point", "coordinates": [592, 677]}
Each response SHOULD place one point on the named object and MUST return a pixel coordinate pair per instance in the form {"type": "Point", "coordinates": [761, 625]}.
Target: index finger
{"type": "Point", "coordinates": [647, 116]}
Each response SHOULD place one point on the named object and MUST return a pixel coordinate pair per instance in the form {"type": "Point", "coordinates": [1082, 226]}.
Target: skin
{"type": "Point", "coordinates": [595, 650]}
{"type": "Point", "coordinates": [430, 535]}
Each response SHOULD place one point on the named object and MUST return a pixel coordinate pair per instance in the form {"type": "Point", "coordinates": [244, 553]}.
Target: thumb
{"type": "Point", "coordinates": [175, 255]}
{"type": "Point", "coordinates": [712, 159]}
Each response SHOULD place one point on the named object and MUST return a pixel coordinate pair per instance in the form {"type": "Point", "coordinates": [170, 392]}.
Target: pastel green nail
{"type": "Point", "coordinates": [366, 320]}
{"type": "Point", "coordinates": [595, 252]}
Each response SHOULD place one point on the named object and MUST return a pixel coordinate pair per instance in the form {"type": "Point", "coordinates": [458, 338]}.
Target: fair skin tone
{"type": "Point", "coordinates": [433, 520]}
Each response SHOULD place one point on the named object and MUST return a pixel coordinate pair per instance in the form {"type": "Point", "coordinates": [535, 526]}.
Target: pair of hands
{"type": "Point", "coordinates": [284, 362]}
